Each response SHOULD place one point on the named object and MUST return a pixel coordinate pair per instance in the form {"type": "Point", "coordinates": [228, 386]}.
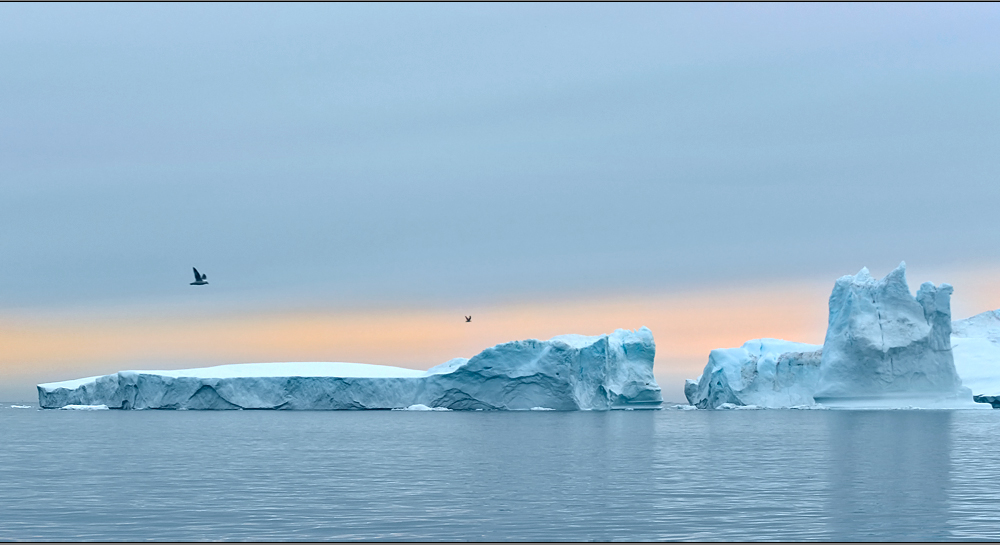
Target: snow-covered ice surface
{"type": "Point", "coordinates": [568, 372]}
{"type": "Point", "coordinates": [975, 343]}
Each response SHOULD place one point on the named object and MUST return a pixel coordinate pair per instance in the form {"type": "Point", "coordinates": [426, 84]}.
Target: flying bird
{"type": "Point", "coordinates": [199, 279]}
{"type": "Point", "coordinates": [468, 318]}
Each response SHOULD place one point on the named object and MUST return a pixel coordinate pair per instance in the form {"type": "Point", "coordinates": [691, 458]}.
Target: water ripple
{"type": "Point", "coordinates": [549, 476]}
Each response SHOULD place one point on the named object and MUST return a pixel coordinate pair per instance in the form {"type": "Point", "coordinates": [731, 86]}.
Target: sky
{"type": "Point", "coordinates": [355, 178]}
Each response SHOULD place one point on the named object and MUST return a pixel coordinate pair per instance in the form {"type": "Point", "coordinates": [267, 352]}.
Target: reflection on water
{"type": "Point", "coordinates": [529, 476]}
{"type": "Point", "coordinates": [890, 472]}
{"type": "Point", "coordinates": [974, 501]}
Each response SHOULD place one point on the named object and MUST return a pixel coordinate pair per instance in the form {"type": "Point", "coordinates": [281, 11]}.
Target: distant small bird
{"type": "Point", "coordinates": [468, 318]}
{"type": "Point", "coordinates": [199, 279]}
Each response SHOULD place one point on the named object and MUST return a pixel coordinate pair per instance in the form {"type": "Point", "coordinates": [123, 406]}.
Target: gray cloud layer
{"type": "Point", "coordinates": [479, 152]}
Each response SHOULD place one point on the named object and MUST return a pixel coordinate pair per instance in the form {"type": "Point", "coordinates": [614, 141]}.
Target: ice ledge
{"type": "Point", "coordinates": [994, 401]}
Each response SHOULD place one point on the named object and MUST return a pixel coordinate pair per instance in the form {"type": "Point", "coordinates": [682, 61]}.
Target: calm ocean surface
{"type": "Point", "coordinates": [394, 475]}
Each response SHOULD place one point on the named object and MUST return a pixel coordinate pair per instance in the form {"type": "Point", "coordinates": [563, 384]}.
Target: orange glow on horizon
{"type": "Point", "coordinates": [686, 328]}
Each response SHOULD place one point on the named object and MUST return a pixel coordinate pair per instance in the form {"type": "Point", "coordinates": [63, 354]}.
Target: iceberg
{"type": "Point", "coordinates": [882, 342]}
{"type": "Point", "coordinates": [975, 343]}
{"type": "Point", "coordinates": [762, 372]}
{"type": "Point", "coordinates": [882, 345]}
{"type": "Point", "coordinates": [568, 372]}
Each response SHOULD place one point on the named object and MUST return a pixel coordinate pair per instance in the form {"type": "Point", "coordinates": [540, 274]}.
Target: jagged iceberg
{"type": "Point", "coordinates": [568, 372]}
{"type": "Point", "coordinates": [762, 372]}
{"type": "Point", "coordinates": [881, 343]}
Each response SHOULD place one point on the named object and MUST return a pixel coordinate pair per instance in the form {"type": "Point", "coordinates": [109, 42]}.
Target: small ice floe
{"type": "Point", "coordinates": [540, 409]}
{"type": "Point", "coordinates": [84, 407]}
{"type": "Point", "coordinates": [735, 407]}
{"type": "Point", "coordinates": [815, 407]}
{"type": "Point", "coordinates": [419, 407]}
{"type": "Point", "coordinates": [685, 407]}
{"type": "Point", "coordinates": [20, 406]}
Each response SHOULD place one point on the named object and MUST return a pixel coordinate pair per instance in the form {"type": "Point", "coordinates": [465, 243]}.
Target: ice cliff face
{"type": "Point", "coordinates": [570, 372]}
{"type": "Point", "coordinates": [881, 341]}
{"type": "Point", "coordinates": [763, 372]}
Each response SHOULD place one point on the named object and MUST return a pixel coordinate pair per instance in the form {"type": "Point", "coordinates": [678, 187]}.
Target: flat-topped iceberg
{"type": "Point", "coordinates": [568, 372]}
{"type": "Point", "coordinates": [883, 346]}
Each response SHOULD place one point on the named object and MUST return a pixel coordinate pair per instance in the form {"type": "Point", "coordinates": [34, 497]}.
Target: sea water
{"type": "Point", "coordinates": [841, 475]}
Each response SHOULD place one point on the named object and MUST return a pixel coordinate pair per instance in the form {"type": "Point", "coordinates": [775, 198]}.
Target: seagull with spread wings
{"type": "Point", "coordinates": [199, 279]}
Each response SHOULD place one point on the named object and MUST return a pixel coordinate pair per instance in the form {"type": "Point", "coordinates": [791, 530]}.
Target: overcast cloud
{"type": "Point", "coordinates": [358, 154]}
